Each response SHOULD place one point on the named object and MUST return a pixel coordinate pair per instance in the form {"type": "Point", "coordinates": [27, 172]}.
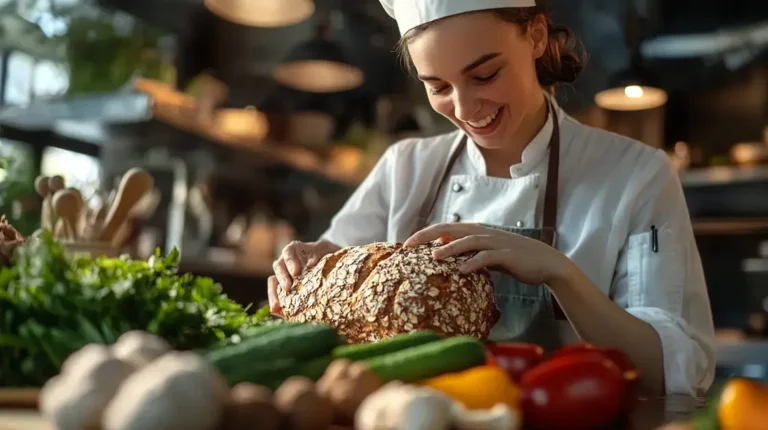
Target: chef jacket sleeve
{"type": "Point", "coordinates": [659, 278]}
{"type": "Point", "coordinates": [363, 218]}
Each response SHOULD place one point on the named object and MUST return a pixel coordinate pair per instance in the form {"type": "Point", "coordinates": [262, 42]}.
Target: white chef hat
{"type": "Point", "coordinates": [413, 13]}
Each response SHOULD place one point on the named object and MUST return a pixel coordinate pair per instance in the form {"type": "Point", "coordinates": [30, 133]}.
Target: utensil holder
{"type": "Point", "coordinates": [91, 249]}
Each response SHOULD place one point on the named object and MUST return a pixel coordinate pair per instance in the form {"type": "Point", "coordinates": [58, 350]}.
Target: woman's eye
{"type": "Point", "coordinates": [487, 78]}
{"type": "Point", "coordinates": [436, 91]}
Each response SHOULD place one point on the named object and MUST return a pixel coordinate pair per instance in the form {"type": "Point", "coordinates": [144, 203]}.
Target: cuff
{"type": "Point", "coordinates": [689, 357]}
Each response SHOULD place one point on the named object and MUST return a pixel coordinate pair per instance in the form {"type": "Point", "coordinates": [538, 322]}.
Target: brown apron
{"type": "Point", "coordinates": [535, 309]}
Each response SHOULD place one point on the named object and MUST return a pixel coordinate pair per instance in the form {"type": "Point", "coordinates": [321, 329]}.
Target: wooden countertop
{"type": "Point", "coordinates": [649, 414]}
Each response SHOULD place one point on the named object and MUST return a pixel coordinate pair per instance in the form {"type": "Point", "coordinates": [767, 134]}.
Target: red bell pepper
{"type": "Point", "coordinates": [516, 358]}
{"type": "Point", "coordinates": [577, 391]}
{"type": "Point", "coordinates": [618, 357]}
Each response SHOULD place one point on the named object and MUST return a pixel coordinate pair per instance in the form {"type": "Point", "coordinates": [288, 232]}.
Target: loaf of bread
{"type": "Point", "coordinates": [379, 290]}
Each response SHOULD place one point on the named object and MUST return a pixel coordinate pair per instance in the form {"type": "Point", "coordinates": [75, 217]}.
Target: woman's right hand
{"type": "Point", "coordinates": [296, 257]}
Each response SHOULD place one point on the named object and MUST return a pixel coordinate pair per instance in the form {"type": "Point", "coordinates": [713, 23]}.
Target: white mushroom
{"type": "Point", "coordinates": [179, 390]}
{"type": "Point", "coordinates": [77, 397]}
{"type": "Point", "coordinates": [397, 406]}
{"type": "Point", "coordinates": [499, 417]}
{"type": "Point", "coordinates": [139, 347]}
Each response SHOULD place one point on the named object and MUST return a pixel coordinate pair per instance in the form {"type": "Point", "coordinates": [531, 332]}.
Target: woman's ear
{"type": "Point", "coordinates": [538, 35]}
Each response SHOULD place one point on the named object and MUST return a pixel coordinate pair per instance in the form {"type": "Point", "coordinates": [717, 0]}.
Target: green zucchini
{"type": "Point", "coordinates": [271, 374]}
{"type": "Point", "coordinates": [315, 368]}
{"type": "Point", "coordinates": [299, 342]}
{"type": "Point", "coordinates": [365, 351]}
{"type": "Point", "coordinates": [425, 361]}
{"type": "Point", "coordinates": [262, 329]}
{"type": "Point", "coordinates": [268, 374]}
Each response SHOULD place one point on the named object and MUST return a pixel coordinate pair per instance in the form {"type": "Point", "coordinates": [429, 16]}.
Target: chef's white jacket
{"type": "Point", "coordinates": [612, 190]}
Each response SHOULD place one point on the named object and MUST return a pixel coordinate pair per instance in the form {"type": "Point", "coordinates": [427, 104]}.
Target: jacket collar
{"type": "Point", "coordinates": [533, 153]}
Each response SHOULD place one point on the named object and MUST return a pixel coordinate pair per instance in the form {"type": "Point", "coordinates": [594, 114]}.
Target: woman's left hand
{"type": "Point", "coordinates": [528, 260]}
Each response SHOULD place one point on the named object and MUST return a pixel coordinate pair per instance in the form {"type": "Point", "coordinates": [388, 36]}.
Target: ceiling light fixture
{"type": "Point", "coordinates": [319, 66]}
{"type": "Point", "coordinates": [262, 13]}
{"type": "Point", "coordinates": [631, 89]}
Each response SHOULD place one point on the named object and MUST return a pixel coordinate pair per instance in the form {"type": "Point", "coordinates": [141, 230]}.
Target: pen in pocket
{"type": "Point", "coordinates": [654, 239]}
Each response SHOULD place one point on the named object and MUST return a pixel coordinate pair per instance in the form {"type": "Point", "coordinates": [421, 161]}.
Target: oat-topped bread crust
{"type": "Point", "coordinates": [376, 291]}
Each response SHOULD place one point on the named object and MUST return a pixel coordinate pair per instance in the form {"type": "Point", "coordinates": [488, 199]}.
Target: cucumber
{"type": "Point", "coordinates": [298, 342]}
{"type": "Point", "coordinates": [425, 361]}
{"type": "Point", "coordinates": [259, 330]}
{"type": "Point", "coordinates": [268, 374]}
{"type": "Point", "coordinates": [369, 350]}
{"type": "Point", "coordinates": [249, 332]}
{"type": "Point", "coordinates": [315, 368]}
{"type": "Point", "coordinates": [272, 374]}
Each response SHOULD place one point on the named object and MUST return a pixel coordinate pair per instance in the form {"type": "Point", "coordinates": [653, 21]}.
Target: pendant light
{"type": "Point", "coordinates": [632, 89]}
{"type": "Point", "coordinates": [262, 13]}
{"type": "Point", "coordinates": [319, 66]}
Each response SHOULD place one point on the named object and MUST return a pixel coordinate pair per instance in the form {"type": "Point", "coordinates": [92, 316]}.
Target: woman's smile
{"type": "Point", "coordinates": [486, 126]}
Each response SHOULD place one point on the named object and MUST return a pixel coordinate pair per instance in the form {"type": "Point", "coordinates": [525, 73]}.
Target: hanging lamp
{"type": "Point", "coordinates": [632, 89]}
{"type": "Point", "coordinates": [262, 13]}
{"type": "Point", "coordinates": [319, 66]}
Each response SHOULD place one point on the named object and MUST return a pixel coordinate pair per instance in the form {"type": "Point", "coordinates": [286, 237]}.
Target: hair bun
{"type": "Point", "coordinates": [563, 60]}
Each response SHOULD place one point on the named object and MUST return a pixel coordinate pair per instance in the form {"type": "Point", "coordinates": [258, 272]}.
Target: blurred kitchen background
{"type": "Point", "coordinates": [258, 118]}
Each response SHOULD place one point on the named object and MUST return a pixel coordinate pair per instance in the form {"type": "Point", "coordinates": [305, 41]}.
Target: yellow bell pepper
{"type": "Point", "coordinates": [743, 405]}
{"type": "Point", "coordinates": [480, 387]}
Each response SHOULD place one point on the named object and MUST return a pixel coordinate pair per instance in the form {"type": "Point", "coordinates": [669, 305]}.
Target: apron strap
{"type": "Point", "coordinates": [440, 178]}
{"type": "Point", "coordinates": [549, 221]}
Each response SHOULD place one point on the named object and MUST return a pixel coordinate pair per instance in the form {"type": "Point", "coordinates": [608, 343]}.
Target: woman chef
{"type": "Point", "coordinates": [577, 222]}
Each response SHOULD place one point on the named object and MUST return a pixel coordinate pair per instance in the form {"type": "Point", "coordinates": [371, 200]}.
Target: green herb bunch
{"type": "Point", "coordinates": [51, 305]}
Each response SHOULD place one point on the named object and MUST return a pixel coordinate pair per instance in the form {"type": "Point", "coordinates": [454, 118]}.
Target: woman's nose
{"type": "Point", "coordinates": [465, 106]}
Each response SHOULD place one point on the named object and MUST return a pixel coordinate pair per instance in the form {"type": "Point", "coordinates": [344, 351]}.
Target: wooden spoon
{"type": "Point", "coordinates": [80, 220]}
{"type": "Point", "coordinates": [42, 188]}
{"type": "Point", "coordinates": [56, 183]}
{"type": "Point", "coordinates": [133, 185]}
{"type": "Point", "coordinates": [67, 205]}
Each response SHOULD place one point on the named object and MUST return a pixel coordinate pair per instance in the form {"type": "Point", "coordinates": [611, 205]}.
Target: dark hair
{"type": "Point", "coordinates": [561, 63]}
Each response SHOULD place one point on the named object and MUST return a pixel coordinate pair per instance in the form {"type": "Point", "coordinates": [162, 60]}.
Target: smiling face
{"type": "Point", "coordinates": [480, 72]}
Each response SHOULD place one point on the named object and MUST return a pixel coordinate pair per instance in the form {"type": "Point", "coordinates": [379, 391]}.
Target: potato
{"type": "Point", "coordinates": [250, 406]}
{"type": "Point", "coordinates": [301, 406]}
{"type": "Point", "coordinates": [346, 384]}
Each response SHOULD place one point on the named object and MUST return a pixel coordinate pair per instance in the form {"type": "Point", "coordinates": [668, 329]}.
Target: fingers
{"type": "Point", "coordinates": [475, 242]}
{"type": "Point", "coordinates": [283, 275]}
{"type": "Point", "coordinates": [292, 258]}
{"type": "Point", "coordinates": [486, 259]}
{"type": "Point", "coordinates": [274, 302]}
{"type": "Point", "coordinates": [313, 260]}
{"type": "Point", "coordinates": [436, 231]}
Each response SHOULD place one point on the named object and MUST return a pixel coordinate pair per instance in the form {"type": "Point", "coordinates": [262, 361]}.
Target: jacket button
{"type": "Point", "coordinates": [455, 217]}
{"type": "Point", "coordinates": [519, 224]}
{"type": "Point", "coordinates": [457, 188]}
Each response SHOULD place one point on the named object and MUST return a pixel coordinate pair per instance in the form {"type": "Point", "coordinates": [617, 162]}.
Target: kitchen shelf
{"type": "Point", "coordinates": [729, 226]}
{"type": "Point", "coordinates": [723, 175]}
{"type": "Point", "coordinates": [146, 100]}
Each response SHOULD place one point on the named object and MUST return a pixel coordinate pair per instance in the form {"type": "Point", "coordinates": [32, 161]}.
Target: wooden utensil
{"type": "Point", "coordinates": [133, 185]}
{"type": "Point", "coordinates": [80, 220]}
{"type": "Point", "coordinates": [42, 188]}
{"type": "Point", "coordinates": [55, 183]}
{"type": "Point", "coordinates": [60, 231]}
{"type": "Point", "coordinates": [67, 204]}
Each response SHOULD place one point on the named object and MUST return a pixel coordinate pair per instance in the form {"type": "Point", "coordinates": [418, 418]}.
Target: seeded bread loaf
{"type": "Point", "coordinates": [379, 290]}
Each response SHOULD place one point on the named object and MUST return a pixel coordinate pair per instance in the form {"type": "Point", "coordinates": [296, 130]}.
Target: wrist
{"type": "Point", "coordinates": [563, 274]}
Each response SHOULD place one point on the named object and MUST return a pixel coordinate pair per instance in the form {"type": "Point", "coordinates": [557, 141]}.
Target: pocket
{"type": "Point", "coordinates": [655, 277]}
{"type": "Point", "coordinates": [518, 316]}
{"type": "Point", "coordinates": [506, 287]}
